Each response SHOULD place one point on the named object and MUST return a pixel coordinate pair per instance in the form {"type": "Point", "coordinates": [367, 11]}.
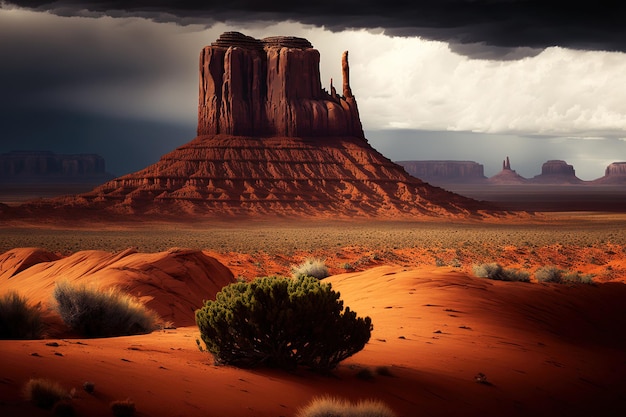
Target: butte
{"type": "Point", "coordinates": [271, 142]}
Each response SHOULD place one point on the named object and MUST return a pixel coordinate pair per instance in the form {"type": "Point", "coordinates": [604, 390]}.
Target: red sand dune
{"type": "Point", "coordinates": [173, 283]}
{"type": "Point", "coordinates": [545, 349]}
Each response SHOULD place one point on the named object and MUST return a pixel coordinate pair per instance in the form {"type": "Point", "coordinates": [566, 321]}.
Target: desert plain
{"type": "Point", "coordinates": [543, 349]}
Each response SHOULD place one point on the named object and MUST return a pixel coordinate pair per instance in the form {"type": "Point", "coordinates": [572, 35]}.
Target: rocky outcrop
{"type": "Point", "coordinates": [445, 172]}
{"type": "Point", "coordinates": [507, 175]}
{"type": "Point", "coordinates": [22, 165]}
{"type": "Point", "coordinates": [270, 142]}
{"type": "Point", "coordinates": [556, 172]}
{"type": "Point", "coordinates": [271, 87]}
{"type": "Point", "coordinates": [615, 173]}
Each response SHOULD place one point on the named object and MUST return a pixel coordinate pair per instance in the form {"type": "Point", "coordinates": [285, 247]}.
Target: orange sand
{"type": "Point", "coordinates": [546, 350]}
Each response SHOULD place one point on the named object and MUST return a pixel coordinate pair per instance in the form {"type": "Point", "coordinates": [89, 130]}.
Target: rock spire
{"type": "Point", "coordinates": [248, 88]}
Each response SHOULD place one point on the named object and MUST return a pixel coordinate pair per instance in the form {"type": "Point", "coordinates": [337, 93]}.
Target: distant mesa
{"type": "Point", "coordinates": [20, 166]}
{"type": "Point", "coordinates": [271, 141]}
{"type": "Point", "coordinates": [445, 172]}
{"type": "Point", "coordinates": [507, 175]}
{"type": "Point", "coordinates": [615, 173]}
{"type": "Point", "coordinates": [557, 172]}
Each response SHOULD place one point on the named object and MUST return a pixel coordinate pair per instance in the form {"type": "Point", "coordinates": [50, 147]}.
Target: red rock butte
{"type": "Point", "coordinates": [271, 141]}
{"type": "Point", "coordinates": [271, 87]}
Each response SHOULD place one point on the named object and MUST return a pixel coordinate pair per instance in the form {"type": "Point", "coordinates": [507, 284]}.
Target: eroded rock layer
{"type": "Point", "coordinates": [227, 175]}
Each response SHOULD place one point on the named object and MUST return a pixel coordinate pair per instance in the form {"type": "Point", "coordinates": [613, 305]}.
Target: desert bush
{"type": "Point", "coordinates": [18, 320]}
{"type": "Point", "coordinates": [311, 267]}
{"type": "Point", "coordinates": [549, 274]}
{"type": "Point", "coordinates": [123, 408]}
{"type": "Point", "coordinates": [96, 313]}
{"type": "Point", "coordinates": [44, 393]}
{"type": "Point", "coordinates": [281, 322]}
{"type": "Point", "coordinates": [576, 277]}
{"type": "Point", "coordinates": [337, 407]}
{"type": "Point", "coordinates": [496, 272]}
{"type": "Point", "coordinates": [561, 276]}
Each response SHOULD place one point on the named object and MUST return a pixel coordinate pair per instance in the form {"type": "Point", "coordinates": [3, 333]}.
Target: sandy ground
{"type": "Point", "coordinates": [545, 349]}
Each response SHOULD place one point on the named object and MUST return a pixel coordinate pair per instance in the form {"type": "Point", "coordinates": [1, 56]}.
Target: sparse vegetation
{"type": "Point", "coordinates": [102, 313]}
{"type": "Point", "coordinates": [18, 320]}
{"type": "Point", "coordinates": [44, 393]}
{"type": "Point", "coordinates": [337, 407]}
{"type": "Point", "coordinates": [281, 322]}
{"type": "Point", "coordinates": [123, 408]}
{"type": "Point", "coordinates": [560, 276]}
{"type": "Point", "coordinates": [311, 267]}
{"type": "Point", "coordinates": [497, 272]}
{"type": "Point", "coordinates": [89, 387]}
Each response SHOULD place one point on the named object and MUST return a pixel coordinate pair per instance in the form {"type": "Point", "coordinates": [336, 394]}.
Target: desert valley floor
{"type": "Point", "coordinates": [545, 349]}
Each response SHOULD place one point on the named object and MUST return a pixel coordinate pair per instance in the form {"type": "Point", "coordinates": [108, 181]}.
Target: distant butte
{"type": "Point", "coordinates": [271, 141]}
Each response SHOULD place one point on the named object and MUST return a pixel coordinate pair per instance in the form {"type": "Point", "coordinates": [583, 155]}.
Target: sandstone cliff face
{"type": "Point", "coordinates": [35, 164]}
{"type": "Point", "coordinates": [557, 172]}
{"type": "Point", "coordinates": [271, 87]}
{"type": "Point", "coordinates": [443, 172]}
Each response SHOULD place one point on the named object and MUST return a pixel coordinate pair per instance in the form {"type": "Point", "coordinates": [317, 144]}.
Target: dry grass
{"type": "Point", "coordinates": [18, 320]}
{"type": "Point", "coordinates": [100, 313]}
{"type": "Point", "coordinates": [44, 393]}
{"type": "Point", "coordinates": [337, 407]}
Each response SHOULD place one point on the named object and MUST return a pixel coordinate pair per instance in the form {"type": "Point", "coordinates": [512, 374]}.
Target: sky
{"type": "Point", "coordinates": [436, 79]}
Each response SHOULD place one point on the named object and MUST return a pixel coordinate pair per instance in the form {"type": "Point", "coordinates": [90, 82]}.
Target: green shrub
{"type": "Point", "coordinates": [281, 322]}
{"type": "Point", "coordinates": [95, 313]}
{"type": "Point", "coordinates": [311, 267]}
{"type": "Point", "coordinates": [337, 407]}
{"type": "Point", "coordinates": [44, 393]}
{"type": "Point", "coordinates": [496, 272]}
{"type": "Point", "coordinates": [18, 320]}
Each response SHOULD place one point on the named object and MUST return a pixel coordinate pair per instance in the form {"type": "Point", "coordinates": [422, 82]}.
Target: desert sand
{"type": "Point", "coordinates": [545, 349]}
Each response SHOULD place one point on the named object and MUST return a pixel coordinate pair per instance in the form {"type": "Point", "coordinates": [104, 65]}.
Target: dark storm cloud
{"type": "Point", "coordinates": [591, 25]}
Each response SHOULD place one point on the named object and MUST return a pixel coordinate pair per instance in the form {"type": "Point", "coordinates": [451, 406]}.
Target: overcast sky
{"type": "Point", "coordinates": [439, 79]}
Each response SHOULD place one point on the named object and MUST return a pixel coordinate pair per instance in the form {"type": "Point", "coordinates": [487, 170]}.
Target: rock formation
{"type": "Point", "coordinates": [615, 173]}
{"type": "Point", "coordinates": [507, 175]}
{"type": "Point", "coordinates": [271, 87]}
{"type": "Point", "coordinates": [557, 172]}
{"type": "Point", "coordinates": [445, 172]}
{"type": "Point", "coordinates": [270, 141]}
{"type": "Point", "coordinates": [24, 165]}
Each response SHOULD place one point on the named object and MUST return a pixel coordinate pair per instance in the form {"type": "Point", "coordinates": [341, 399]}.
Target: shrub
{"type": "Point", "coordinates": [336, 407]}
{"type": "Point", "coordinates": [18, 320]}
{"type": "Point", "coordinates": [575, 277]}
{"type": "Point", "coordinates": [281, 322]}
{"type": "Point", "coordinates": [496, 272]}
{"type": "Point", "coordinates": [549, 274]}
{"type": "Point", "coordinates": [123, 408]}
{"type": "Point", "coordinates": [44, 393]}
{"type": "Point", "coordinates": [311, 267]}
{"type": "Point", "coordinates": [95, 313]}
